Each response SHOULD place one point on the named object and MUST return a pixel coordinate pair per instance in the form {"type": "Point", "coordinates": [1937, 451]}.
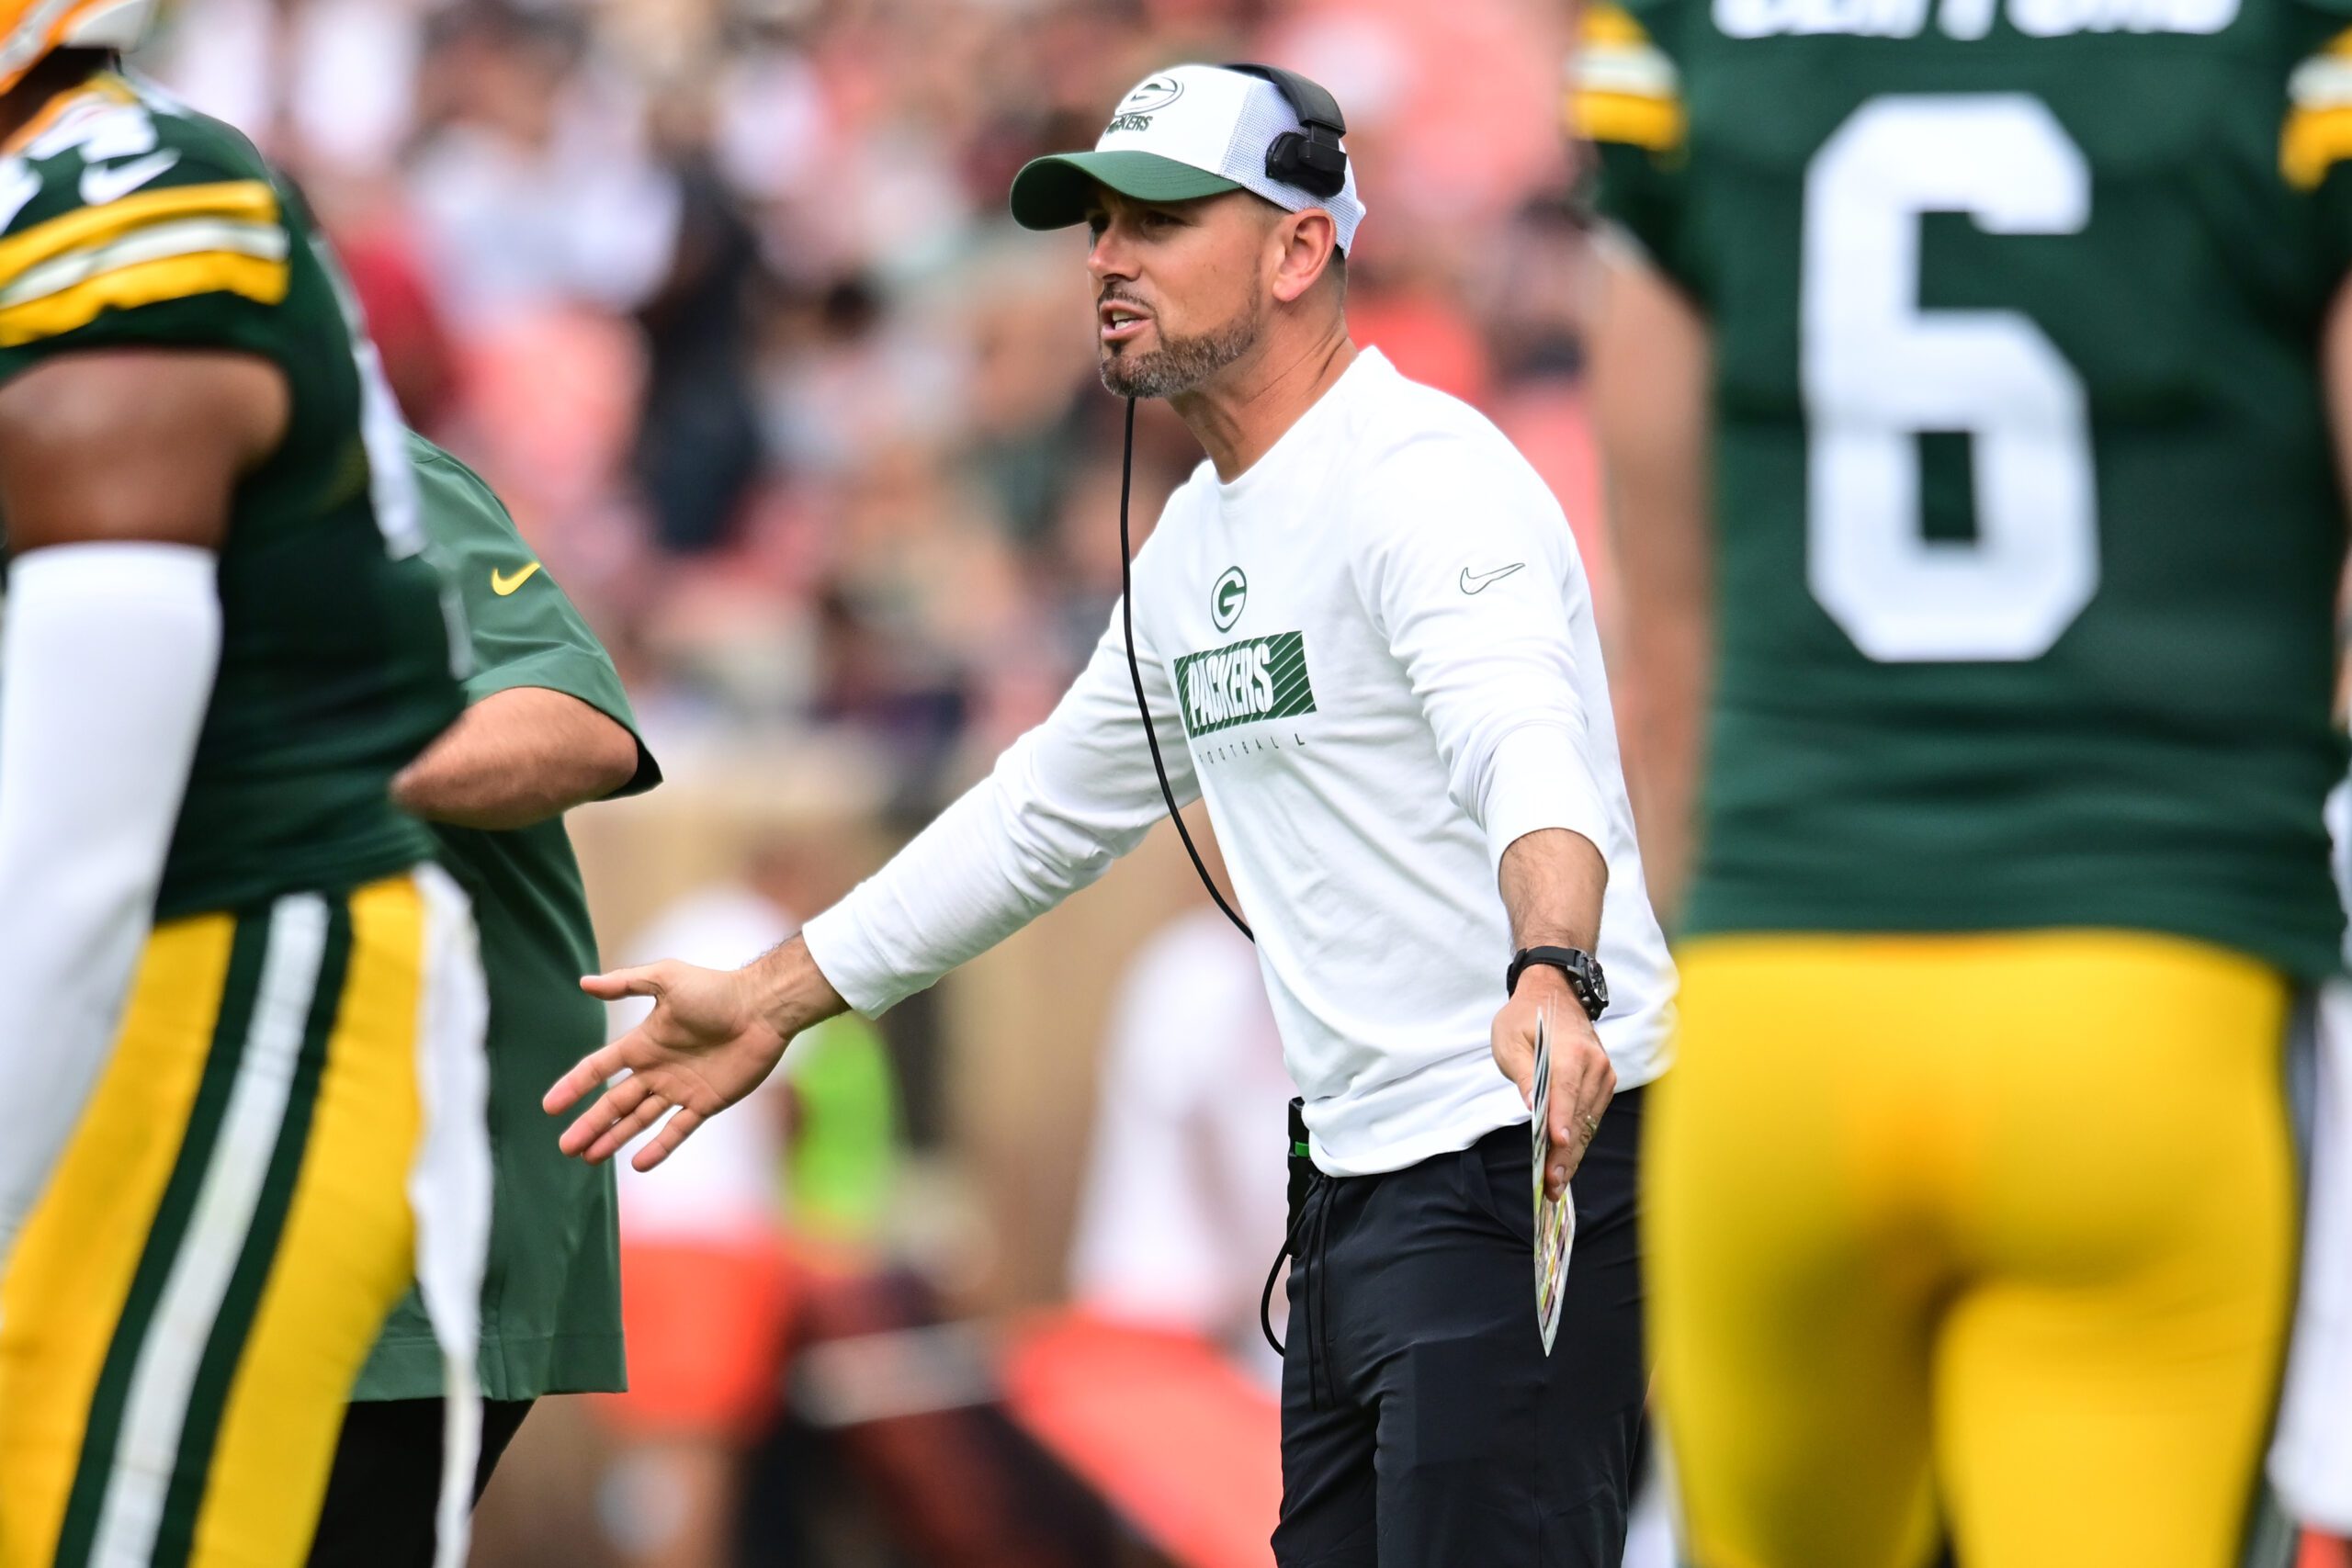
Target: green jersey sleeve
{"type": "Point", "coordinates": [525, 631]}
{"type": "Point", "coordinates": [1626, 98]}
{"type": "Point", "coordinates": [129, 225]}
{"type": "Point", "coordinates": [2316, 142]}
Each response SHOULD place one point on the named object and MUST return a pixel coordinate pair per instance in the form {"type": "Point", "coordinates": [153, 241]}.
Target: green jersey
{"type": "Point", "coordinates": [551, 1295]}
{"type": "Point", "coordinates": [2027, 529]}
{"type": "Point", "coordinates": [128, 222]}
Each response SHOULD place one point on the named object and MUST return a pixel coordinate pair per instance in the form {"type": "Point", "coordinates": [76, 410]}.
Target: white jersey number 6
{"type": "Point", "coordinates": [1878, 371]}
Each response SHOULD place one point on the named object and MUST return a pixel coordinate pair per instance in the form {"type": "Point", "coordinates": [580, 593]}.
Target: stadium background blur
{"type": "Point", "coordinates": [721, 298]}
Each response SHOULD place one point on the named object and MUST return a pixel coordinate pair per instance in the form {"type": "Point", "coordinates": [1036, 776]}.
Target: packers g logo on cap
{"type": "Point", "coordinates": [1232, 590]}
{"type": "Point", "coordinates": [1156, 94]}
{"type": "Point", "coordinates": [1136, 109]}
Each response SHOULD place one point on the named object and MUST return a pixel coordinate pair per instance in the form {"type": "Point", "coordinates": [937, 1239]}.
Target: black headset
{"type": "Point", "coordinates": [1311, 159]}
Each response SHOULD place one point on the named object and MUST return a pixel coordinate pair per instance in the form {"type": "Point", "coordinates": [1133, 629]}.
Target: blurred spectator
{"type": "Point", "coordinates": [326, 88]}
{"type": "Point", "coordinates": [698, 441]}
{"type": "Point", "coordinates": [533, 186]}
{"type": "Point", "coordinates": [404, 319]}
{"type": "Point", "coordinates": [718, 1244]}
{"type": "Point", "coordinates": [706, 1297]}
{"type": "Point", "coordinates": [1183, 1211]}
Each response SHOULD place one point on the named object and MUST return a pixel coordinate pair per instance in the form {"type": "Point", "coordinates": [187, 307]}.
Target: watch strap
{"type": "Point", "coordinates": [1582, 969]}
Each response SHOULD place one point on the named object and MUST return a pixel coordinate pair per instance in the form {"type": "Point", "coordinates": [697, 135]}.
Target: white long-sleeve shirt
{"type": "Point", "coordinates": [1374, 654]}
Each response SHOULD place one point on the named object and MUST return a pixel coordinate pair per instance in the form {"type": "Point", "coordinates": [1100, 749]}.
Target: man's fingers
{"type": "Point", "coordinates": [1567, 1137]}
{"type": "Point", "coordinates": [664, 1143]}
{"type": "Point", "coordinates": [1583, 1083]}
{"type": "Point", "coordinates": [1516, 1060]}
{"type": "Point", "coordinates": [1568, 1147]}
{"type": "Point", "coordinates": [585, 1078]}
{"type": "Point", "coordinates": [616, 1139]}
{"type": "Point", "coordinates": [615, 984]}
{"type": "Point", "coordinates": [615, 1103]}
{"type": "Point", "coordinates": [1594, 1091]}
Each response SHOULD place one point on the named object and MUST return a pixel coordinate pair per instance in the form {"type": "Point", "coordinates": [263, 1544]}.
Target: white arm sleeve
{"type": "Point", "coordinates": [1062, 803]}
{"type": "Point", "coordinates": [107, 662]}
{"type": "Point", "coordinates": [1469, 571]}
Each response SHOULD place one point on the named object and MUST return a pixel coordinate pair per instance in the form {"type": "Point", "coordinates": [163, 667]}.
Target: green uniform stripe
{"type": "Point", "coordinates": [216, 1374]}
{"type": "Point", "coordinates": [248, 948]}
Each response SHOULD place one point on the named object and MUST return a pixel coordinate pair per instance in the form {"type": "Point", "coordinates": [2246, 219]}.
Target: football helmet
{"type": "Point", "coordinates": [31, 28]}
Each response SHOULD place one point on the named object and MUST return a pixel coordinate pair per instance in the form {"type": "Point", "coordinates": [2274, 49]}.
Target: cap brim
{"type": "Point", "coordinates": [1053, 192]}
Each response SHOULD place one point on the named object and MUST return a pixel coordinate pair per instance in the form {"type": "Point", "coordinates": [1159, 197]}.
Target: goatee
{"type": "Point", "coordinates": [1180, 364]}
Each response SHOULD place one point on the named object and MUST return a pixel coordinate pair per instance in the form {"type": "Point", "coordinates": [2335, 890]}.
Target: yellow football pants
{"type": "Point", "coordinates": [1987, 1233]}
{"type": "Point", "coordinates": [190, 1301]}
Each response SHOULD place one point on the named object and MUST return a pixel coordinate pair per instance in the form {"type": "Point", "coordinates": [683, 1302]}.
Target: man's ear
{"type": "Point", "coordinates": [1307, 240]}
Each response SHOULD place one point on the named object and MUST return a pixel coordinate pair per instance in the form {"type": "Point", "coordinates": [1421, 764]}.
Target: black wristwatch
{"type": "Point", "coordinates": [1582, 969]}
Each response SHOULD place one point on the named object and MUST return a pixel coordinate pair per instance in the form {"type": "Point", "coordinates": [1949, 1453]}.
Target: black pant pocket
{"type": "Point", "coordinates": [1495, 1179]}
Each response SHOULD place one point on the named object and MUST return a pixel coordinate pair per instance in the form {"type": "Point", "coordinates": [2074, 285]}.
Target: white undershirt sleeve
{"type": "Point", "coordinates": [1465, 565]}
{"type": "Point", "coordinates": [107, 662]}
{"type": "Point", "coordinates": [1062, 803]}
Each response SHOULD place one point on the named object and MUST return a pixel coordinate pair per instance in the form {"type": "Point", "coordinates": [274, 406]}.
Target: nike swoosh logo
{"type": "Point", "coordinates": [1476, 583]}
{"type": "Point", "coordinates": [102, 183]}
{"type": "Point", "coordinates": [502, 584]}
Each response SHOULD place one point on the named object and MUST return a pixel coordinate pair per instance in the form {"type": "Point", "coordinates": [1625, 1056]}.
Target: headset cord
{"type": "Point", "coordinates": [1314, 1215]}
{"type": "Point", "coordinates": [1306, 1247]}
{"type": "Point", "coordinates": [1135, 672]}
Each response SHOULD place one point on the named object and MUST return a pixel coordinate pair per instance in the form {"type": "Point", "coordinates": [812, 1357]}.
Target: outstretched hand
{"type": "Point", "coordinates": [705, 1046]}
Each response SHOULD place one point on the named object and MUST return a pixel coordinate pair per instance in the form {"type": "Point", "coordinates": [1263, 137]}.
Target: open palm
{"type": "Point", "coordinates": [702, 1048]}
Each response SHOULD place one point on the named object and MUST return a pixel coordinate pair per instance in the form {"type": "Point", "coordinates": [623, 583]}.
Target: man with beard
{"type": "Point", "coordinates": [1364, 637]}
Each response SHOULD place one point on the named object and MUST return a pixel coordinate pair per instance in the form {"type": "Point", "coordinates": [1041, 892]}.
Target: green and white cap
{"type": "Point", "coordinates": [1189, 131]}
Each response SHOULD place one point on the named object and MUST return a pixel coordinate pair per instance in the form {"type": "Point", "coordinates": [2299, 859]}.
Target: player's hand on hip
{"type": "Point", "coordinates": [703, 1047]}
{"type": "Point", "coordinates": [1583, 1081]}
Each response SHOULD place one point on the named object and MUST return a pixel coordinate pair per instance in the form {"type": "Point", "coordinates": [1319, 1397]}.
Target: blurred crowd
{"type": "Point", "coordinates": [721, 297]}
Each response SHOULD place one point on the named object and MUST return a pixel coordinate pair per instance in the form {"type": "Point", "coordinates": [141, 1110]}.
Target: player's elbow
{"type": "Point", "coordinates": [608, 759]}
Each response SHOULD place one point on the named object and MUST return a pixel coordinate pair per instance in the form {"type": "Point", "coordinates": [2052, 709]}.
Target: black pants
{"type": "Point", "coordinates": [1423, 1424]}
{"type": "Point", "coordinates": [387, 1481]}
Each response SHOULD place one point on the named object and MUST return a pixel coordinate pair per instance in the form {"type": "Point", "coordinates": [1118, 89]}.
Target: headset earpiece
{"type": "Point", "coordinates": [1311, 159]}
{"type": "Point", "coordinates": [1315, 167]}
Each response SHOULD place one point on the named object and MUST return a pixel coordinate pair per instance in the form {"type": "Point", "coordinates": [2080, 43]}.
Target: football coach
{"type": "Point", "coordinates": [1365, 638]}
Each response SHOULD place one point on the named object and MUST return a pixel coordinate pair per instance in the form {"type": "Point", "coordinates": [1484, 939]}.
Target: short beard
{"type": "Point", "coordinates": [1182, 364]}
